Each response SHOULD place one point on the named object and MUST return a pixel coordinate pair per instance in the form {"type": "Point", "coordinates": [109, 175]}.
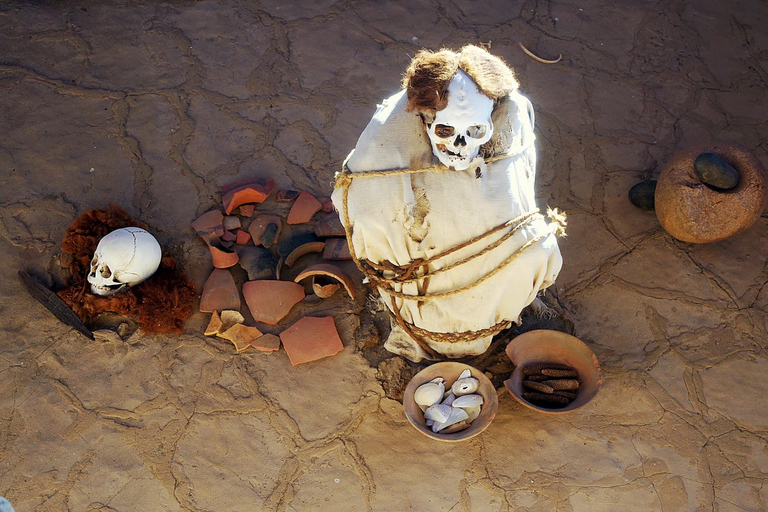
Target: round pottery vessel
{"type": "Point", "coordinates": [450, 371]}
{"type": "Point", "coordinates": [544, 346]}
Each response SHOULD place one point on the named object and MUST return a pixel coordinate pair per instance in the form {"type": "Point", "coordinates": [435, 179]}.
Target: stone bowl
{"type": "Point", "coordinates": [693, 212]}
{"type": "Point", "coordinates": [545, 346]}
{"type": "Point", "coordinates": [450, 371]}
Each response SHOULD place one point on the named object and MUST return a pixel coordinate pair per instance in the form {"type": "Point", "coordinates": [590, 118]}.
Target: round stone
{"type": "Point", "coordinates": [716, 172]}
{"type": "Point", "coordinates": [642, 194]}
{"type": "Point", "coordinates": [691, 211]}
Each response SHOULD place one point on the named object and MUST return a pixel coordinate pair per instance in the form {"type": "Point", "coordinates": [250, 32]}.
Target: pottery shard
{"type": "Point", "coordinates": [332, 271]}
{"type": "Point", "coordinates": [249, 190]}
{"type": "Point", "coordinates": [269, 300]}
{"type": "Point", "coordinates": [330, 225]}
{"type": "Point", "coordinates": [208, 224]}
{"type": "Point", "coordinates": [691, 211]}
{"type": "Point", "coordinates": [242, 336]}
{"type": "Point", "coordinates": [265, 229]}
{"type": "Point", "coordinates": [267, 343]}
{"type": "Point", "coordinates": [246, 210]}
{"type": "Point", "coordinates": [304, 208]}
{"type": "Point", "coordinates": [326, 204]}
{"type": "Point", "coordinates": [214, 325]}
{"type": "Point", "coordinates": [229, 236]}
{"type": "Point", "coordinates": [222, 256]}
{"type": "Point", "coordinates": [336, 249]}
{"type": "Point", "coordinates": [258, 262]}
{"type": "Point", "coordinates": [219, 292]}
{"type": "Point", "coordinates": [310, 339]}
{"type": "Point", "coordinates": [243, 237]}
{"type": "Point", "coordinates": [231, 222]}
{"type": "Point", "coordinates": [230, 317]}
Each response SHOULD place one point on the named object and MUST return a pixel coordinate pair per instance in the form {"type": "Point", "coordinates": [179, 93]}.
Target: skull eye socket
{"type": "Point", "coordinates": [443, 130]}
{"type": "Point", "coordinates": [478, 131]}
{"type": "Point", "coordinates": [105, 272]}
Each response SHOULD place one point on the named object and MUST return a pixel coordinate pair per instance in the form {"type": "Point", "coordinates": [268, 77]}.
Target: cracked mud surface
{"type": "Point", "coordinates": [155, 106]}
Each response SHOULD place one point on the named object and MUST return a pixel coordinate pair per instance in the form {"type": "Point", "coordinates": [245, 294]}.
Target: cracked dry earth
{"type": "Point", "coordinates": [156, 105]}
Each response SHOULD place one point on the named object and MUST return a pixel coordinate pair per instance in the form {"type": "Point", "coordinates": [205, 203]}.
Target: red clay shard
{"type": "Point", "coordinates": [270, 300]}
{"type": "Point", "coordinates": [310, 339]}
{"type": "Point", "coordinates": [219, 292]}
{"type": "Point", "coordinates": [209, 224]}
{"type": "Point", "coordinates": [304, 208]}
{"type": "Point", "coordinates": [248, 190]}
{"type": "Point", "coordinates": [336, 249]}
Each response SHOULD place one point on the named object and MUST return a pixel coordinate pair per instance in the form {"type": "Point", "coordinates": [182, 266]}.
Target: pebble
{"type": "Point", "coordinates": [715, 172]}
{"type": "Point", "coordinates": [642, 195]}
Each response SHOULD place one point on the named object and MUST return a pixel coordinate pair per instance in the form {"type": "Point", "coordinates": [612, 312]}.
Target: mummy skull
{"type": "Point", "coordinates": [463, 125]}
{"type": "Point", "coordinates": [123, 258]}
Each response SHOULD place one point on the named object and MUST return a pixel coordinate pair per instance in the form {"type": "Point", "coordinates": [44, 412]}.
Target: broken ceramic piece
{"type": "Point", "coordinates": [310, 339]}
{"type": "Point", "coordinates": [230, 317]}
{"type": "Point", "coordinates": [285, 195]}
{"type": "Point", "coordinates": [301, 250]}
{"type": "Point", "coordinates": [229, 236]}
{"type": "Point", "coordinates": [328, 270]}
{"type": "Point", "coordinates": [265, 229]}
{"type": "Point", "coordinates": [258, 262]}
{"type": "Point", "coordinates": [266, 343]}
{"type": "Point", "coordinates": [246, 210]}
{"type": "Point", "coordinates": [248, 190]}
{"type": "Point", "coordinates": [270, 300]}
{"type": "Point", "coordinates": [242, 336]}
{"type": "Point", "coordinates": [330, 225]}
{"type": "Point", "coordinates": [222, 256]}
{"type": "Point", "coordinates": [326, 204]}
{"type": "Point", "coordinates": [336, 249]}
{"type": "Point", "coordinates": [214, 325]}
{"type": "Point", "coordinates": [304, 208]}
{"type": "Point", "coordinates": [242, 237]}
{"type": "Point", "coordinates": [219, 292]}
{"type": "Point", "coordinates": [209, 223]}
{"type": "Point", "coordinates": [231, 222]}
{"type": "Point", "coordinates": [324, 287]}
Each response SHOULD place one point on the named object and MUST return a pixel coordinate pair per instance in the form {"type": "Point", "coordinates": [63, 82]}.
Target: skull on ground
{"type": "Point", "coordinates": [123, 258]}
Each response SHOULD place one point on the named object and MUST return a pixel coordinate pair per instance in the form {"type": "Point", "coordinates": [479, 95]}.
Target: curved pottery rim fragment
{"type": "Point", "coordinates": [545, 346]}
{"type": "Point", "coordinates": [450, 371]}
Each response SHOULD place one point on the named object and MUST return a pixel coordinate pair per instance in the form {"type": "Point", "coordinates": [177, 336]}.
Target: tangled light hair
{"type": "Point", "coordinates": [427, 77]}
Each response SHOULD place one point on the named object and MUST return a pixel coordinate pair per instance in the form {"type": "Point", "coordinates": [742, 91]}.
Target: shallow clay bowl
{"type": "Point", "coordinates": [544, 346]}
{"type": "Point", "coordinates": [450, 372]}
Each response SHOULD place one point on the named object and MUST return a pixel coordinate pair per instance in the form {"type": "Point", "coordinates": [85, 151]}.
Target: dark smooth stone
{"type": "Point", "coordinates": [641, 195]}
{"type": "Point", "coordinates": [715, 172]}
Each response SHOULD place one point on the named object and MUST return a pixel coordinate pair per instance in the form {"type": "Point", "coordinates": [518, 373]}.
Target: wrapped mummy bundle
{"type": "Point", "coordinates": [438, 202]}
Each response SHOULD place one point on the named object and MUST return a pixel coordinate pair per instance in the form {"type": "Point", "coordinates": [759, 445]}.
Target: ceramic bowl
{"type": "Point", "coordinates": [544, 346]}
{"type": "Point", "coordinates": [450, 371]}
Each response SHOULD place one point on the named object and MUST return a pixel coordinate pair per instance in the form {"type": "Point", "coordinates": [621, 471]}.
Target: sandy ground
{"type": "Point", "coordinates": [155, 106]}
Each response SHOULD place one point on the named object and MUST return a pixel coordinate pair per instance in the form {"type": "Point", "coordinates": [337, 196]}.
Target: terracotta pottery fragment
{"type": "Point", "coordinates": [242, 237]}
{"type": "Point", "coordinates": [230, 317]}
{"type": "Point", "coordinates": [326, 204]}
{"type": "Point", "coordinates": [324, 287]}
{"type": "Point", "coordinates": [302, 250]}
{"type": "Point", "coordinates": [285, 195]}
{"type": "Point", "coordinates": [288, 245]}
{"type": "Point", "coordinates": [222, 256]}
{"type": "Point", "coordinates": [336, 249]}
{"type": "Point", "coordinates": [248, 190]}
{"type": "Point", "coordinates": [270, 300]}
{"type": "Point", "coordinates": [231, 222]}
{"type": "Point", "coordinates": [214, 325]}
{"type": "Point", "coordinates": [258, 262]}
{"type": "Point", "coordinates": [242, 336]}
{"type": "Point", "coordinates": [304, 208]}
{"type": "Point", "coordinates": [246, 210]}
{"type": "Point", "coordinates": [209, 223]}
{"type": "Point", "coordinates": [229, 236]}
{"type": "Point", "coordinates": [267, 343]}
{"type": "Point", "coordinates": [310, 339]}
{"type": "Point", "coordinates": [332, 271]}
{"type": "Point", "coordinates": [330, 225]}
{"type": "Point", "coordinates": [265, 229]}
{"type": "Point", "coordinates": [219, 292]}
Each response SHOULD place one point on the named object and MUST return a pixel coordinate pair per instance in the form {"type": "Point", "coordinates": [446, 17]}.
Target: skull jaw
{"type": "Point", "coordinates": [457, 161]}
{"type": "Point", "coordinates": [107, 290]}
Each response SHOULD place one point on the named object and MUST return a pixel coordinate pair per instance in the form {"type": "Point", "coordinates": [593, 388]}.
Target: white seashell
{"type": "Point", "coordinates": [455, 416]}
{"type": "Point", "coordinates": [429, 393]}
{"type": "Point", "coordinates": [465, 386]}
{"type": "Point", "coordinates": [456, 427]}
{"type": "Point", "coordinates": [438, 413]}
{"type": "Point", "coordinates": [473, 412]}
{"type": "Point", "coordinates": [449, 398]}
{"type": "Point", "coordinates": [468, 401]}
{"type": "Point", "coordinates": [465, 375]}
{"type": "Point", "coordinates": [430, 423]}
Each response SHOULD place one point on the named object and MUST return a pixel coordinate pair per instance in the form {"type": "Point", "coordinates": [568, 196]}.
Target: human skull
{"type": "Point", "coordinates": [123, 258]}
{"type": "Point", "coordinates": [463, 125]}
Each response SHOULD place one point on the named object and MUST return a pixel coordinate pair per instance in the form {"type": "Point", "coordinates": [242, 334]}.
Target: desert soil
{"type": "Point", "coordinates": [155, 105]}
